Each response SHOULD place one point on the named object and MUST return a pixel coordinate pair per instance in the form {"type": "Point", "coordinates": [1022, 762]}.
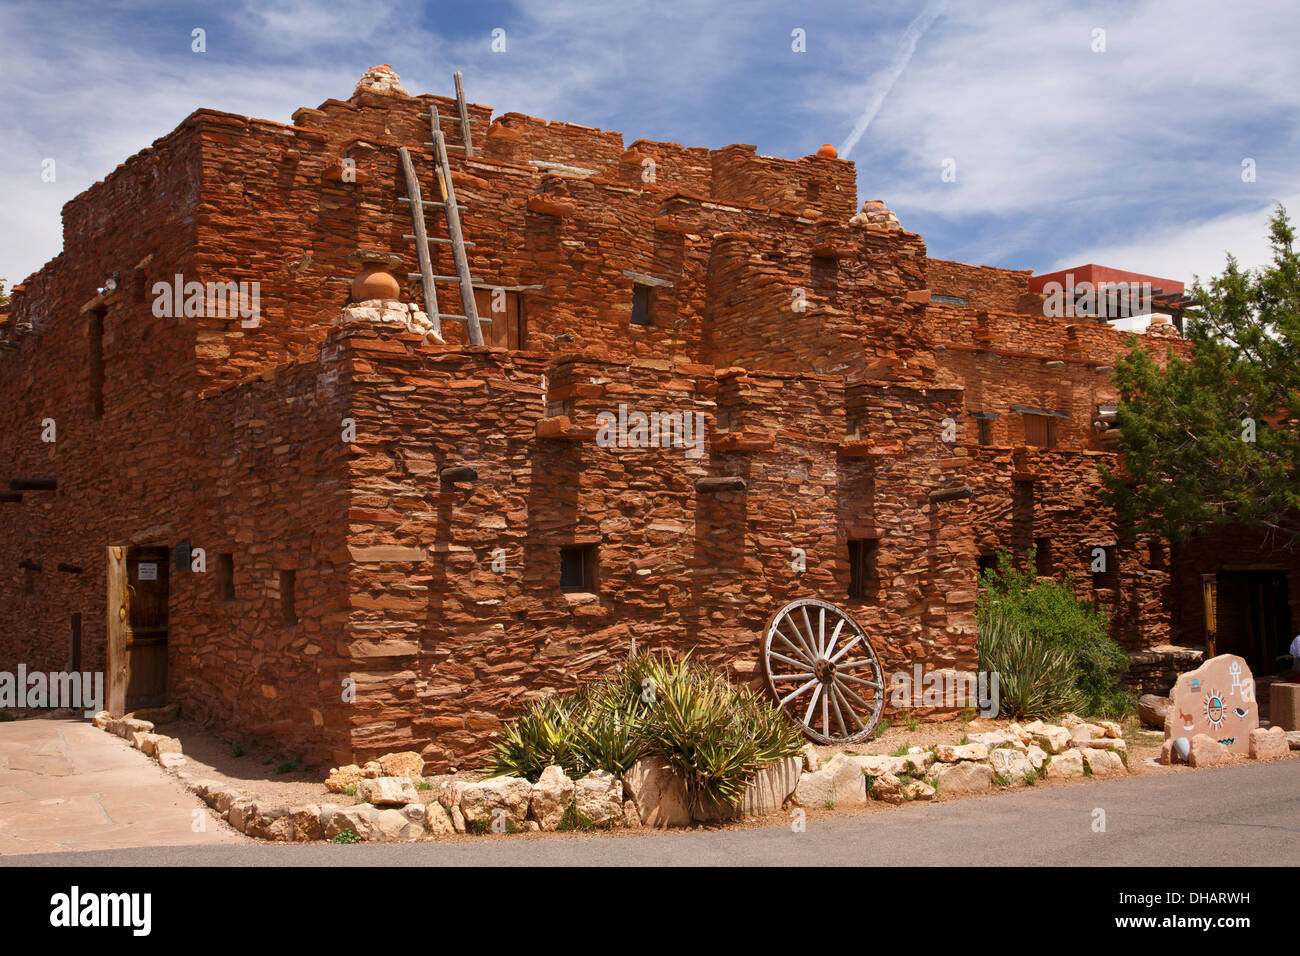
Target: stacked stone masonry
{"type": "Point", "coordinates": [823, 353]}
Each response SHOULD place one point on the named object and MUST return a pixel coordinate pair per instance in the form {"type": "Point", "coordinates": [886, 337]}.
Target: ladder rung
{"type": "Point", "coordinates": [436, 205]}
{"type": "Point", "coordinates": [461, 318]}
{"type": "Point", "coordinates": [448, 145]}
{"type": "Point", "coordinates": [438, 239]}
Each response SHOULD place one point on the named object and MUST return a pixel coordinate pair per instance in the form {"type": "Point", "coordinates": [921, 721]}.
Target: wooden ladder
{"type": "Point", "coordinates": [451, 209]}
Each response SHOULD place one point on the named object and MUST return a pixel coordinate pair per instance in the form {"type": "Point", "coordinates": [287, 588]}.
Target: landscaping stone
{"type": "Point", "coordinates": [304, 822]}
{"type": "Point", "coordinates": [551, 796]}
{"type": "Point", "coordinates": [340, 778]}
{"type": "Point", "coordinates": [223, 799]}
{"type": "Point", "coordinates": [1037, 756]}
{"type": "Point", "coordinates": [1284, 705]}
{"type": "Point", "coordinates": [771, 787]}
{"type": "Point", "coordinates": [1208, 752]}
{"type": "Point", "coordinates": [918, 790]}
{"type": "Point", "coordinates": [996, 739]}
{"type": "Point", "coordinates": [811, 762]}
{"type": "Point", "coordinates": [1116, 744]}
{"type": "Point", "coordinates": [1051, 738]}
{"type": "Point", "coordinates": [479, 799]}
{"type": "Point", "coordinates": [659, 793]}
{"type": "Point", "coordinates": [240, 813]}
{"type": "Point", "coordinates": [437, 820]}
{"type": "Point", "coordinates": [887, 788]}
{"type": "Point", "coordinates": [1151, 711]}
{"type": "Point", "coordinates": [966, 776]}
{"type": "Point", "coordinates": [405, 763]}
{"type": "Point", "coordinates": [1067, 763]}
{"type": "Point", "coordinates": [1103, 763]}
{"type": "Point", "coordinates": [403, 825]}
{"type": "Point", "coordinates": [101, 719]}
{"type": "Point", "coordinates": [951, 753]}
{"type": "Point", "coordinates": [371, 769]}
{"type": "Point", "coordinates": [876, 765]}
{"type": "Point", "coordinates": [1011, 764]}
{"type": "Point", "coordinates": [1293, 739]}
{"type": "Point", "coordinates": [170, 761]}
{"type": "Point", "coordinates": [632, 819]}
{"type": "Point", "coordinates": [598, 797]}
{"type": "Point", "coordinates": [1268, 744]}
{"type": "Point", "coordinates": [1111, 729]}
{"type": "Point", "coordinates": [839, 783]}
{"type": "Point", "coordinates": [388, 792]}
{"type": "Point", "coordinates": [918, 761]}
{"type": "Point", "coordinates": [268, 822]}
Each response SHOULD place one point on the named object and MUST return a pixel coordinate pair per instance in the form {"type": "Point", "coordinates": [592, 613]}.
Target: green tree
{"type": "Point", "coordinates": [4, 296]}
{"type": "Point", "coordinates": [1214, 440]}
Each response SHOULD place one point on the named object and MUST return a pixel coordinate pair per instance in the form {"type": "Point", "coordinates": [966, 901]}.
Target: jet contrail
{"type": "Point", "coordinates": [911, 36]}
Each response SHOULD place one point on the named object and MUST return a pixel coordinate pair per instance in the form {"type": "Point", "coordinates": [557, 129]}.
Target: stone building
{"type": "Point", "coordinates": [299, 517]}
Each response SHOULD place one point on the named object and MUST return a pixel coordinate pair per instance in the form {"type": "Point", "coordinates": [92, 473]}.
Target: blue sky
{"type": "Point", "coordinates": [1131, 157]}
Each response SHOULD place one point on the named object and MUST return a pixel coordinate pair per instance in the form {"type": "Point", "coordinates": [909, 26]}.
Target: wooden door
{"type": "Point", "coordinates": [147, 579]}
{"type": "Point", "coordinates": [506, 328]}
{"type": "Point", "coordinates": [1210, 599]}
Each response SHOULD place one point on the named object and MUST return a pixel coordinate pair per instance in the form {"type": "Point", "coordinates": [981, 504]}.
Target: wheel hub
{"type": "Point", "coordinates": [824, 670]}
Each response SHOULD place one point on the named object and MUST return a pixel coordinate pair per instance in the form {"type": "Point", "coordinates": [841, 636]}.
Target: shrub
{"type": "Point", "coordinates": [715, 735]}
{"type": "Point", "coordinates": [1048, 615]}
{"type": "Point", "coordinates": [1035, 676]}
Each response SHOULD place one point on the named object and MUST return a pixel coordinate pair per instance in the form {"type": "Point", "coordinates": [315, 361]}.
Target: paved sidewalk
{"type": "Point", "coordinates": [66, 786]}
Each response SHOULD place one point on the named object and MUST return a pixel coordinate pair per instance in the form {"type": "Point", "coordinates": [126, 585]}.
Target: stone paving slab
{"type": "Point", "coordinates": [64, 786]}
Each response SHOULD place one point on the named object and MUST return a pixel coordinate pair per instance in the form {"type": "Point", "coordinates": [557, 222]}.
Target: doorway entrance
{"type": "Point", "coordinates": [1253, 617]}
{"type": "Point", "coordinates": [138, 580]}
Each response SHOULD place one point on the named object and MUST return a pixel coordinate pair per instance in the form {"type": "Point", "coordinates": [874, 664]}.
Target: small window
{"type": "Point", "coordinates": [578, 568]}
{"type": "Point", "coordinates": [1104, 566]}
{"type": "Point", "coordinates": [76, 641]}
{"type": "Point", "coordinates": [226, 577]}
{"type": "Point", "coordinates": [288, 613]}
{"type": "Point", "coordinates": [1040, 431]}
{"type": "Point", "coordinates": [95, 361]}
{"type": "Point", "coordinates": [987, 562]}
{"type": "Point", "coordinates": [863, 576]}
{"type": "Point", "coordinates": [641, 301]}
{"type": "Point", "coordinates": [985, 430]}
{"type": "Point", "coordinates": [1043, 557]}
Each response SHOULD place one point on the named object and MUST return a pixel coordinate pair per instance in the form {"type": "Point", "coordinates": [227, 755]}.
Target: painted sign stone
{"type": "Point", "coordinates": [1218, 700]}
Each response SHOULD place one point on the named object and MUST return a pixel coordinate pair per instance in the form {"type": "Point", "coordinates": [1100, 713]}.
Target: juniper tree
{"type": "Point", "coordinates": [1214, 439]}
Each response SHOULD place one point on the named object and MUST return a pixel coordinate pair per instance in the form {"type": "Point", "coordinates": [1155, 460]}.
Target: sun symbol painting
{"type": "Point", "coordinates": [1200, 704]}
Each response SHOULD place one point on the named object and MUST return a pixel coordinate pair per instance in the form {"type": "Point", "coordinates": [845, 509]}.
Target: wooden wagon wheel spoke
{"type": "Point", "coordinates": [801, 650]}
{"type": "Point", "coordinates": [852, 714]}
{"type": "Point", "coordinates": [845, 649]}
{"type": "Point", "coordinates": [806, 668]}
{"type": "Point", "coordinates": [873, 684]}
{"type": "Point", "coordinates": [824, 644]}
{"type": "Point", "coordinates": [803, 647]}
{"type": "Point", "coordinates": [789, 697]}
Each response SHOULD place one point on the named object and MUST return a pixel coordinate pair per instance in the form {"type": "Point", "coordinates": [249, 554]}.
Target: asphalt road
{"type": "Point", "coordinates": [1232, 816]}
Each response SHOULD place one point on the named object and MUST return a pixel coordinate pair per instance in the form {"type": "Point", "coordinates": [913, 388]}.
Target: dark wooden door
{"type": "Point", "coordinates": [146, 633]}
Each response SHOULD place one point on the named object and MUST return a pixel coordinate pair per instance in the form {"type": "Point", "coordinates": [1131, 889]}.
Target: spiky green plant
{"type": "Point", "coordinates": [1035, 676]}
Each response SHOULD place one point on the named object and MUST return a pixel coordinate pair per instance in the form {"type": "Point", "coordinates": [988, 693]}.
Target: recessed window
{"type": "Point", "coordinates": [641, 301]}
{"type": "Point", "coordinates": [76, 641]}
{"type": "Point", "coordinates": [987, 562]}
{"type": "Point", "coordinates": [578, 567]}
{"type": "Point", "coordinates": [1040, 431]}
{"type": "Point", "coordinates": [95, 361]}
{"type": "Point", "coordinates": [226, 577]}
{"type": "Point", "coordinates": [1104, 566]}
{"type": "Point", "coordinates": [1043, 557]}
{"type": "Point", "coordinates": [288, 612]}
{"type": "Point", "coordinates": [985, 430]}
{"type": "Point", "coordinates": [863, 572]}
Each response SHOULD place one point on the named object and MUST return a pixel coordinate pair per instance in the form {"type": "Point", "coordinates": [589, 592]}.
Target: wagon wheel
{"type": "Point", "coordinates": [824, 671]}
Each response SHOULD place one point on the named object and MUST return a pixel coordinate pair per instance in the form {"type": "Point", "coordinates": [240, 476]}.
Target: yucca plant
{"type": "Point", "coordinates": [1035, 676]}
{"type": "Point", "coordinates": [530, 743]}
